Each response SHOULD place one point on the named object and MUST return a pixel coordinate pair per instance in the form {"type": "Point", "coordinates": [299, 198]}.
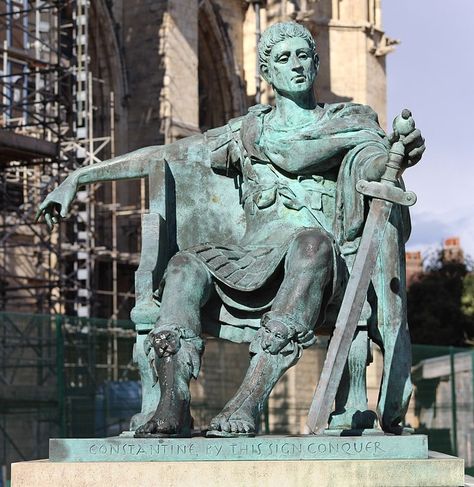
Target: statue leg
{"type": "Point", "coordinates": [396, 387]}
{"type": "Point", "coordinates": [308, 274]}
{"type": "Point", "coordinates": [241, 414]}
{"type": "Point", "coordinates": [352, 410]}
{"type": "Point", "coordinates": [392, 334]}
{"type": "Point", "coordinates": [174, 346]}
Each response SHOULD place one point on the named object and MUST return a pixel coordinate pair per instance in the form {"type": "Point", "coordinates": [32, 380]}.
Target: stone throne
{"type": "Point", "coordinates": [189, 204]}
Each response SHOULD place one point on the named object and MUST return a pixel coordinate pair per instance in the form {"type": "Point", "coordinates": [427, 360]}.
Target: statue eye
{"type": "Point", "coordinates": [278, 335]}
{"type": "Point", "coordinates": [303, 55]}
{"type": "Point", "coordinates": [283, 59]}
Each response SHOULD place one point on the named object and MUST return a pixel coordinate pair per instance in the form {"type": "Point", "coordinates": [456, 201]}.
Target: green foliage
{"type": "Point", "coordinates": [467, 299]}
{"type": "Point", "coordinates": [441, 304]}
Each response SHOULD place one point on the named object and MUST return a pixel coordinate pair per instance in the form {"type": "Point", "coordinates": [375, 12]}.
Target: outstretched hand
{"type": "Point", "coordinates": [56, 205]}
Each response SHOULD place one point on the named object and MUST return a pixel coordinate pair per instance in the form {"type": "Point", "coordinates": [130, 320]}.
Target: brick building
{"type": "Point", "coordinates": [452, 251]}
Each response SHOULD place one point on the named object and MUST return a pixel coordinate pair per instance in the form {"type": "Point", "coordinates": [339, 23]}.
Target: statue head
{"type": "Point", "coordinates": [288, 58]}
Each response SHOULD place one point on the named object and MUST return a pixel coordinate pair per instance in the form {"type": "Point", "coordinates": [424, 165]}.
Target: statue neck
{"type": "Point", "coordinates": [293, 110]}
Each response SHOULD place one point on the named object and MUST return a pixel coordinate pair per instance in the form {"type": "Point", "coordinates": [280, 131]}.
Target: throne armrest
{"type": "Point", "coordinates": [156, 245]}
{"type": "Point", "coordinates": [150, 270]}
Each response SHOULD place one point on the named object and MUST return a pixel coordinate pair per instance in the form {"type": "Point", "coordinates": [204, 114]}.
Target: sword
{"type": "Point", "coordinates": [384, 195]}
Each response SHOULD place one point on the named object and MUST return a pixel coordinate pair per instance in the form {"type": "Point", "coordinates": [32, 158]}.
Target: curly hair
{"type": "Point", "coordinates": [279, 32]}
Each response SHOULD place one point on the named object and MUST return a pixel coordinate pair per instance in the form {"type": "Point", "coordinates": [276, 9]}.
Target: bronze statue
{"type": "Point", "coordinates": [297, 165]}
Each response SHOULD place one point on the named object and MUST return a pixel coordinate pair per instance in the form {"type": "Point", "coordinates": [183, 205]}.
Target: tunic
{"type": "Point", "coordinates": [291, 180]}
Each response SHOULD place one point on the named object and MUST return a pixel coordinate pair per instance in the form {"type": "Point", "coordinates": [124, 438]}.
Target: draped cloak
{"type": "Point", "coordinates": [327, 157]}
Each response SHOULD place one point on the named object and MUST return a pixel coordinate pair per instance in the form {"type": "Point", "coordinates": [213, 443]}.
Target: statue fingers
{"type": "Point", "coordinates": [56, 217]}
{"type": "Point", "coordinates": [393, 137]}
{"type": "Point", "coordinates": [42, 208]}
{"type": "Point", "coordinates": [418, 142]}
{"type": "Point", "coordinates": [415, 155]}
{"type": "Point", "coordinates": [63, 210]}
{"type": "Point", "coordinates": [412, 138]}
{"type": "Point", "coordinates": [51, 208]}
{"type": "Point", "coordinates": [48, 220]}
{"type": "Point", "coordinates": [38, 215]}
{"type": "Point", "coordinates": [417, 152]}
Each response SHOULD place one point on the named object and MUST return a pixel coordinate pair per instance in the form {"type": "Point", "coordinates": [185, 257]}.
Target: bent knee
{"type": "Point", "coordinates": [185, 261]}
{"type": "Point", "coordinates": [313, 246]}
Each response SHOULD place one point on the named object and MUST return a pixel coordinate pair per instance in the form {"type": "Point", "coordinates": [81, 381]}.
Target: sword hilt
{"type": "Point", "coordinates": [403, 125]}
{"type": "Point", "coordinates": [388, 189]}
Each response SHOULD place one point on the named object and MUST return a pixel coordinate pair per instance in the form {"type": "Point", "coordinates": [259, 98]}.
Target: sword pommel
{"type": "Point", "coordinates": [404, 123]}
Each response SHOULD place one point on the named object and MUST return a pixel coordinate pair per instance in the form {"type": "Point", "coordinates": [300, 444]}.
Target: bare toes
{"type": "Point", "coordinates": [225, 426]}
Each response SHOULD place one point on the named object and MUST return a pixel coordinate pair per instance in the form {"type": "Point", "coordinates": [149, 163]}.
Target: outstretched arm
{"type": "Point", "coordinates": [127, 166]}
{"type": "Point", "coordinates": [132, 165]}
{"type": "Point", "coordinates": [136, 164]}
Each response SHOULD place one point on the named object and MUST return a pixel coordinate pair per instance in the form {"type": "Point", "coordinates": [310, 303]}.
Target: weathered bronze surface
{"type": "Point", "coordinates": [268, 213]}
{"type": "Point", "coordinates": [385, 195]}
{"type": "Point", "coordinates": [261, 448]}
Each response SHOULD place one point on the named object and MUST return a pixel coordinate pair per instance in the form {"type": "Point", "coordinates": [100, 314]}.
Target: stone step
{"type": "Point", "coordinates": [438, 470]}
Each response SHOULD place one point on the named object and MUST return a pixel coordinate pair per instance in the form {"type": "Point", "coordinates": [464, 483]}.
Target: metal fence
{"type": "Point", "coordinates": [74, 377]}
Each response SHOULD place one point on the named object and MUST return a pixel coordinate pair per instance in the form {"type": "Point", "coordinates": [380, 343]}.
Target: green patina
{"type": "Point", "coordinates": [252, 232]}
{"type": "Point", "coordinates": [263, 448]}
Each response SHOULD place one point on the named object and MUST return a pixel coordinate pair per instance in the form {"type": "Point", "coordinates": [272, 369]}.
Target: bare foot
{"type": "Point", "coordinates": [157, 426]}
{"type": "Point", "coordinates": [168, 423]}
{"type": "Point", "coordinates": [234, 421]}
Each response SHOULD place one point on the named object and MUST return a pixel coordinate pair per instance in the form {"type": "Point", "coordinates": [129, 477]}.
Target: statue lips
{"type": "Point", "coordinates": [299, 78]}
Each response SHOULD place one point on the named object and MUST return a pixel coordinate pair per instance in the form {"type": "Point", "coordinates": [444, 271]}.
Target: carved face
{"type": "Point", "coordinates": [291, 68]}
{"type": "Point", "coordinates": [275, 337]}
{"type": "Point", "coordinates": [166, 342]}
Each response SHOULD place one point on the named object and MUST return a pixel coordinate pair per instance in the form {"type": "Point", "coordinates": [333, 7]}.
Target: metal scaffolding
{"type": "Point", "coordinates": [47, 129]}
{"type": "Point", "coordinates": [54, 364]}
{"type": "Point", "coordinates": [33, 122]}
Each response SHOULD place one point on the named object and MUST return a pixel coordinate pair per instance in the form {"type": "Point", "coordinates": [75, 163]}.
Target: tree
{"type": "Point", "coordinates": [467, 300]}
{"type": "Point", "coordinates": [441, 304]}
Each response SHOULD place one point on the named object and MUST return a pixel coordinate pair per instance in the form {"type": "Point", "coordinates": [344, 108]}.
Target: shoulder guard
{"type": "Point", "coordinates": [351, 109]}
{"type": "Point", "coordinates": [259, 109]}
{"type": "Point", "coordinates": [251, 130]}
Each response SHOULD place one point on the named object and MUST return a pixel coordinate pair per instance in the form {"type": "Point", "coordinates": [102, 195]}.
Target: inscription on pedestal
{"type": "Point", "coordinates": [259, 448]}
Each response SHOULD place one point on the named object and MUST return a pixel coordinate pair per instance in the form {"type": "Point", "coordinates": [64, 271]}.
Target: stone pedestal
{"type": "Point", "coordinates": [437, 470]}
{"type": "Point", "coordinates": [263, 461]}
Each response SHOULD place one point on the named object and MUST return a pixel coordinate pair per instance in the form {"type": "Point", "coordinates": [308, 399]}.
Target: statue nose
{"type": "Point", "coordinates": [296, 64]}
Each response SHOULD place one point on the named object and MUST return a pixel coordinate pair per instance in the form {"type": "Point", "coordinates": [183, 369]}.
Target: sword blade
{"type": "Point", "coordinates": [349, 314]}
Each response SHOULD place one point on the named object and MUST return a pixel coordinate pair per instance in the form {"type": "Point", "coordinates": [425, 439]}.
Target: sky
{"type": "Point", "coordinates": [432, 73]}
